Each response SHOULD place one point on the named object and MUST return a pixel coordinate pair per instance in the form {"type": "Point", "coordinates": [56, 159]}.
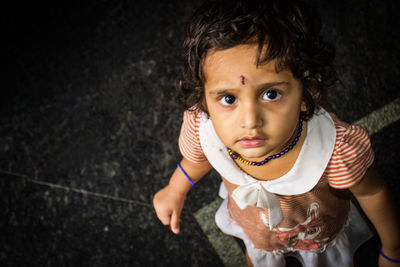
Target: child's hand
{"type": "Point", "coordinates": [168, 205]}
{"type": "Point", "coordinates": [168, 202]}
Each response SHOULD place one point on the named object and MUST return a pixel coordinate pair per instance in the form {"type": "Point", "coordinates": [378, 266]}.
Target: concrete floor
{"type": "Point", "coordinates": [89, 125]}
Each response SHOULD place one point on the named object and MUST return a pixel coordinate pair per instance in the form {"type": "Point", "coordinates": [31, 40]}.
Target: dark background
{"type": "Point", "coordinates": [88, 102]}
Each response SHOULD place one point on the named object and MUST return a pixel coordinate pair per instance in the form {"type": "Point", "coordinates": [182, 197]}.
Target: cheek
{"type": "Point", "coordinates": [224, 127]}
{"type": "Point", "coordinates": [283, 121]}
{"type": "Point", "coordinates": [220, 122]}
{"type": "Point", "coordinates": [222, 133]}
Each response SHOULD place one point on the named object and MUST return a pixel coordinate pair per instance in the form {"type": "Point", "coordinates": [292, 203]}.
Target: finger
{"type": "Point", "coordinates": [165, 220]}
{"type": "Point", "coordinates": [164, 217]}
{"type": "Point", "coordinates": [175, 222]}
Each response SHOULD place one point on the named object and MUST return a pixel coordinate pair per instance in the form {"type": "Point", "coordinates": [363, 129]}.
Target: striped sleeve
{"type": "Point", "coordinates": [189, 140]}
{"type": "Point", "coordinates": [351, 158]}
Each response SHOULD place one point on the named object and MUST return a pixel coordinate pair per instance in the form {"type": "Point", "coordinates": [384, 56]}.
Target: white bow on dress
{"type": "Point", "coordinates": [254, 194]}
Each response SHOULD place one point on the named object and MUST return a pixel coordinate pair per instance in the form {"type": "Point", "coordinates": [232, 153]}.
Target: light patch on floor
{"type": "Point", "coordinates": [226, 247]}
{"type": "Point", "coordinates": [380, 118]}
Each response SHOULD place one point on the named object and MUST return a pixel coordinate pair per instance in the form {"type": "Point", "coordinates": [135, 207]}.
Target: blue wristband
{"type": "Point", "coordinates": [187, 176]}
{"type": "Point", "coordinates": [386, 257]}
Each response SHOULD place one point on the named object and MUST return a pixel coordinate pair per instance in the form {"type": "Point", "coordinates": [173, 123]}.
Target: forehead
{"type": "Point", "coordinates": [235, 56]}
{"type": "Point", "coordinates": [229, 65]}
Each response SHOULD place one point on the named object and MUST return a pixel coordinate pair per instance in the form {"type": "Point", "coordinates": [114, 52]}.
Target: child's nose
{"type": "Point", "coordinates": [250, 117]}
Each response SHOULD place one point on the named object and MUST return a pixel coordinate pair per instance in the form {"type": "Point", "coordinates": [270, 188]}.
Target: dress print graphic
{"type": "Point", "coordinates": [303, 235]}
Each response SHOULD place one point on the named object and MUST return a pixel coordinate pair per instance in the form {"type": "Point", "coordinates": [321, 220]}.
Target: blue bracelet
{"type": "Point", "coordinates": [187, 176]}
{"type": "Point", "coordinates": [386, 257]}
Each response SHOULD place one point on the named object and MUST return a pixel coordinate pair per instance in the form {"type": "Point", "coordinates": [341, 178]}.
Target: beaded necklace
{"type": "Point", "coordinates": [236, 156]}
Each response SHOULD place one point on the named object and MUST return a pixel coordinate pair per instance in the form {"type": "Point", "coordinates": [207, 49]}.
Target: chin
{"type": "Point", "coordinates": [255, 155]}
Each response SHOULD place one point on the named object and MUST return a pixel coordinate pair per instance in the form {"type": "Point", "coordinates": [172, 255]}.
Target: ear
{"type": "Point", "coordinates": [303, 106]}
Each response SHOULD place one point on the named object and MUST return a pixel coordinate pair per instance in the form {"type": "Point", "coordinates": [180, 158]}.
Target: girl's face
{"type": "Point", "coordinates": [255, 110]}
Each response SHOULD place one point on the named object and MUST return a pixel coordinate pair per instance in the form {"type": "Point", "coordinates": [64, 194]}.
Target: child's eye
{"type": "Point", "coordinates": [271, 95]}
{"type": "Point", "coordinates": [228, 100]}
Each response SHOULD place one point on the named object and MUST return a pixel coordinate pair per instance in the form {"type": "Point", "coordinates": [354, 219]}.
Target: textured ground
{"type": "Point", "coordinates": [89, 125]}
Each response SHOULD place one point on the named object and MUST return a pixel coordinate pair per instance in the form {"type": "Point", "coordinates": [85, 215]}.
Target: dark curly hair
{"type": "Point", "coordinates": [288, 28]}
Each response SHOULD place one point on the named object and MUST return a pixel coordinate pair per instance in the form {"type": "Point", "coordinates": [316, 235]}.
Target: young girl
{"type": "Point", "coordinates": [253, 78]}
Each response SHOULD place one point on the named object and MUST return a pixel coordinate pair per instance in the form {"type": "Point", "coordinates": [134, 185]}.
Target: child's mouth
{"type": "Point", "coordinates": [251, 142]}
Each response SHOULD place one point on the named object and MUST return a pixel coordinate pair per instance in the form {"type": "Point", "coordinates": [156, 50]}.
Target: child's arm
{"type": "Point", "coordinates": [379, 205]}
{"type": "Point", "coordinates": [168, 202]}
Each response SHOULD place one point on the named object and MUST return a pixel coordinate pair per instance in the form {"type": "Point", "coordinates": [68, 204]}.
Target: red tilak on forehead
{"type": "Point", "coordinates": [243, 79]}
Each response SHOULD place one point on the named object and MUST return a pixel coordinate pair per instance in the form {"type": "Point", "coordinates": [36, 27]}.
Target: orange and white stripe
{"type": "Point", "coordinates": [189, 140]}
{"type": "Point", "coordinates": [351, 158]}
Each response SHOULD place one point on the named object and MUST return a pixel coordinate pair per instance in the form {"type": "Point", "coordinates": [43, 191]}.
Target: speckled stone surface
{"type": "Point", "coordinates": [51, 227]}
{"type": "Point", "coordinates": [88, 102]}
{"type": "Point", "coordinates": [226, 246]}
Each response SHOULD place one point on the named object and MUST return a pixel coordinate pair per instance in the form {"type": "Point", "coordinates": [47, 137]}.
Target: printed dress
{"type": "Point", "coordinates": [306, 213]}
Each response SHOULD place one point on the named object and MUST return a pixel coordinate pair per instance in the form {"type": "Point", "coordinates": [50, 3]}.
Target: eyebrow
{"type": "Point", "coordinates": [222, 91]}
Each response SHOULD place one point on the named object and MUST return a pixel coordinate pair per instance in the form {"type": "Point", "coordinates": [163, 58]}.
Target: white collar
{"type": "Point", "coordinates": [314, 156]}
